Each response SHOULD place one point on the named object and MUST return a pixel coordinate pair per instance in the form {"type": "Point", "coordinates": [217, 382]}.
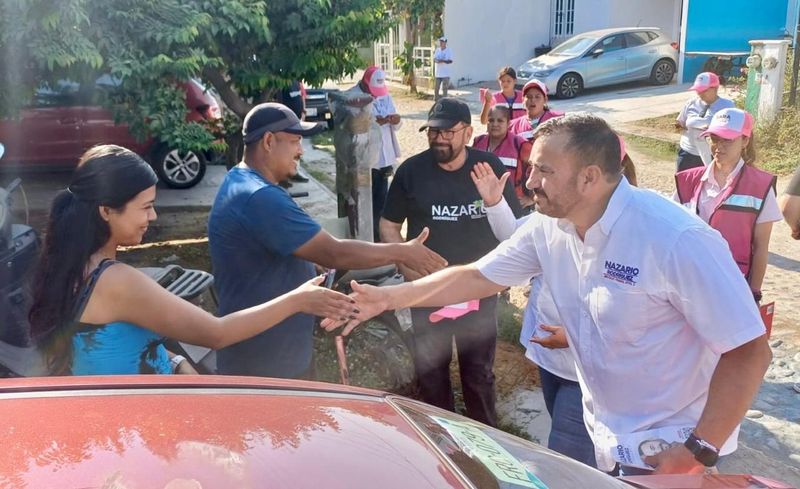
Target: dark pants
{"type": "Point", "coordinates": [475, 335]}
{"type": "Point", "coordinates": [380, 187]}
{"type": "Point", "coordinates": [687, 160]}
{"type": "Point", "coordinates": [568, 434]}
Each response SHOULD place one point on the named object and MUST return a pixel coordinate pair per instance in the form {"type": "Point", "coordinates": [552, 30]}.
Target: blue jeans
{"type": "Point", "coordinates": [568, 434]}
{"type": "Point", "coordinates": [687, 160]}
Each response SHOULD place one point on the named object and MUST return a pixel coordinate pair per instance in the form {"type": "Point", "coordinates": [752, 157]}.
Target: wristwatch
{"type": "Point", "coordinates": [175, 361]}
{"type": "Point", "coordinates": [703, 451]}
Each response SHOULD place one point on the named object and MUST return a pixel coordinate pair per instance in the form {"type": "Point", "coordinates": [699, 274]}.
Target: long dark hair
{"type": "Point", "coordinates": [106, 175]}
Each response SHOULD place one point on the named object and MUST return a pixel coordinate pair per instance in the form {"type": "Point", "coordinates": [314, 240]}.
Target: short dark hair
{"type": "Point", "coordinates": [591, 139]}
{"type": "Point", "coordinates": [501, 109]}
{"type": "Point", "coordinates": [507, 70]}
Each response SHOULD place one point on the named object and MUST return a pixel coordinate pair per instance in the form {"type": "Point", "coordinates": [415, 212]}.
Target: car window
{"type": "Point", "coordinates": [573, 47]}
{"type": "Point", "coordinates": [492, 458]}
{"type": "Point", "coordinates": [652, 35]}
{"type": "Point", "coordinates": [612, 43]}
{"type": "Point", "coordinates": [634, 39]}
{"type": "Point", "coordinates": [63, 93]}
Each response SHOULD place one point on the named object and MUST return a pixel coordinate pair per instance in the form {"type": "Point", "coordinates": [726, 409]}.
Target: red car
{"type": "Point", "coordinates": [66, 120]}
{"type": "Point", "coordinates": [182, 432]}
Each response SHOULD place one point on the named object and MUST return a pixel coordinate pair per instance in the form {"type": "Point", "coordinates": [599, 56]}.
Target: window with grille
{"type": "Point", "coordinates": [563, 18]}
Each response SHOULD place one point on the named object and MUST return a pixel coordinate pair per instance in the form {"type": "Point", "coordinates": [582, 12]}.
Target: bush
{"type": "Point", "coordinates": [777, 143]}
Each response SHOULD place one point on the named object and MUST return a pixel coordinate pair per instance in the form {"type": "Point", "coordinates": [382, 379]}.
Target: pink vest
{"type": "Point", "coordinates": [508, 151]}
{"type": "Point", "coordinates": [517, 108]}
{"type": "Point", "coordinates": [736, 210]}
{"type": "Point", "coordinates": [521, 126]}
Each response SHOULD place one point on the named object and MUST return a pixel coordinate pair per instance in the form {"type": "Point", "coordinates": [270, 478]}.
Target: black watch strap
{"type": "Point", "coordinates": [703, 452]}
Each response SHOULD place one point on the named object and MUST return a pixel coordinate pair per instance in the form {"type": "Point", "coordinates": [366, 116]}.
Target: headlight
{"type": "Point", "coordinates": [543, 74]}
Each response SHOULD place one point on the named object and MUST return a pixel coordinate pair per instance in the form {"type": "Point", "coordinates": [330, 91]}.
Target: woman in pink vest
{"type": "Point", "coordinates": [537, 110]}
{"type": "Point", "coordinates": [512, 150]}
{"type": "Point", "coordinates": [732, 195]}
{"type": "Point", "coordinates": [507, 97]}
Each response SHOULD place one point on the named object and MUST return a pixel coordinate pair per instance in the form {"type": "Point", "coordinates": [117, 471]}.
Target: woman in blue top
{"type": "Point", "coordinates": [92, 315]}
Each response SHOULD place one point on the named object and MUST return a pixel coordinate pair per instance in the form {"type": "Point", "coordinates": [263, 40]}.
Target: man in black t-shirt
{"type": "Point", "coordinates": [434, 189]}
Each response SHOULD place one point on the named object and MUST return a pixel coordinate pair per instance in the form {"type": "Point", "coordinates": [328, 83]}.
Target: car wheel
{"type": "Point", "coordinates": [378, 357]}
{"type": "Point", "coordinates": [570, 85]}
{"type": "Point", "coordinates": [662, 72]}
{"type": "Point", "coordinates": [179, 169]}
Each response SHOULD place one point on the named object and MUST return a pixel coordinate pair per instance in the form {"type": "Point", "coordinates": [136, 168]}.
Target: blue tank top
{"type": "Point", "coordinates": [116, 348]}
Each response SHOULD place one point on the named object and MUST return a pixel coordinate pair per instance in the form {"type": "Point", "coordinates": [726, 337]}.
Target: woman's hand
{"type": "Point", "coordinates": [487, 96]}
{"type": "Point", "coordinates": [323, 302]}
{"type": "Point", "coordinates": [489, 186]}
{"type": "Point", "coordinates": [370, 300]}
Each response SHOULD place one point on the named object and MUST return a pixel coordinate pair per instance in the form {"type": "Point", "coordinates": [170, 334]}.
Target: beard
{"type": "Point", "coordinates": [443, 153]}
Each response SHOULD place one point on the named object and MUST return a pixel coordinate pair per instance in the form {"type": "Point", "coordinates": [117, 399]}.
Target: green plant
{"type": "Point", "coordinates": [407, 64]}
{"type": "Point", "coordinates": [777, 144]}
{"type": "Point", "coordinates": [509, 321]}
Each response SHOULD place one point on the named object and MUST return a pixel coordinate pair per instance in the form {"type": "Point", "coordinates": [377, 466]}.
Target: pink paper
{"type": "Point", "coordinates": [454, 311]}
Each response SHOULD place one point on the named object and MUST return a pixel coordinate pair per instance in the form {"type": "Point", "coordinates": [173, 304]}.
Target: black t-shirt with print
{"type": "Point", "coordinates": [448, 203]}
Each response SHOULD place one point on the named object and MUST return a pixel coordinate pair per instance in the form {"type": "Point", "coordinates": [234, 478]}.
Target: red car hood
{"type": "Point", "coordinates": [207, 432]}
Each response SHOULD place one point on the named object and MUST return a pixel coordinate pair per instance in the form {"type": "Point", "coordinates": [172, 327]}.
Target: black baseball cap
{"type": "Point", "coordinates": [446, 113]}
{"type": "Point", "coordinates": [275, 117]}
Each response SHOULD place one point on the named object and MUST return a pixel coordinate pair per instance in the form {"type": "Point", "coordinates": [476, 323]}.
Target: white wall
{"type": "Point", "coordinates": [485, 36]}
{"type": "Point", "coordinates": [646, 13]}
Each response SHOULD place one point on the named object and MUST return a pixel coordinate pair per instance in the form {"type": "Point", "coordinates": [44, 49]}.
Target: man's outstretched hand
{"type": "Point", "coordinates": [370, 301]}
{"type": "Point", "coordinates": [421, 260]}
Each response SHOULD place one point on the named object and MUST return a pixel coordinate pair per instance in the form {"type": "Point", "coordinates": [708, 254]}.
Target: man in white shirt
{"type": "Point", "coordinates": [443, 58]}
{"type": "Point", "coordinates": [667, 337]}
{"type": "Point", "coordinates": [695, 117]}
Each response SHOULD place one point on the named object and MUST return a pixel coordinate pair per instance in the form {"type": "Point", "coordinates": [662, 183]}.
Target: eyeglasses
{"type": "Point", "coordinates": [447, 135]}
{"type": "Point", "coordinates": [717, 140]}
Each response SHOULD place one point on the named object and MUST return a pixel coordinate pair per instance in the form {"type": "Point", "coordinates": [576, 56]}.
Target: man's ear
{"type": "Point", "coordinates": [267, 141]}
{"type": "Point", "coordinates": [590, 175]}
{"type": "Point", "coordinates": [468, 134]}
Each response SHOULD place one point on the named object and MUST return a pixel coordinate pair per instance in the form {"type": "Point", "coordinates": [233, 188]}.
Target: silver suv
{"type": "Point", "coordinates": [604, 57]}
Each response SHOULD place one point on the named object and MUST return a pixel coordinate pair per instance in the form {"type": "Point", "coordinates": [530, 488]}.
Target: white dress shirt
{"type": "Point", "coordinates": [649, 299]}
{"type": "Point", "coordinates": [540, 308]}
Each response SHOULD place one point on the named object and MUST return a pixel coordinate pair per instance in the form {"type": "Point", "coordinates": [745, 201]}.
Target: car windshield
{"type": "Point", "coordinates": [492, 458]}
{"type": "Point", "coordinates": [573, 47]}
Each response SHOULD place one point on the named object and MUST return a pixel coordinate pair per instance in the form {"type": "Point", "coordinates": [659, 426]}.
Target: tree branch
{"type": "Point", "coordinates": [232, 99]}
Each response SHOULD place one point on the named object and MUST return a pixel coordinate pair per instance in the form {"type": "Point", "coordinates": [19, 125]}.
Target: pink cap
{"type": "Point", "coordinates": [622, 150]}
{"type": "Point", "coordinates": [534, 83]}
{"type": "Point", "coordinates": [375, 79]}
{"type": "Point", "coordinates": [704, 81]}
{"type": "Point", "coordinates": [730, 124]}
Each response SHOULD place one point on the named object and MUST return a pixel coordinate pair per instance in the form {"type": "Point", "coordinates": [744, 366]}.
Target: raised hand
{"type": "Point", "coordinates": [421, 260]}
{"type": "Point", "coordinates": [556, 339]}
{"type": "Point", "coordinates": [323, 302]}
{"type": "Point", "coordinates": [489, 186]}
{"type": "Point", "coordinates": [487, 96]}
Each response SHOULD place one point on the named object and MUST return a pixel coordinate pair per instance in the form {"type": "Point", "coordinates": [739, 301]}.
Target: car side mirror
{"type": "Point", "coordinates": [597, 52]}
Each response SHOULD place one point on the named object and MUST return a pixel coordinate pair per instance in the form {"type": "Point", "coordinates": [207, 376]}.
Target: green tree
{"type": "Point", "coordinates": [246, 49]}
{"type": "Point", "coordinates": [414, 14]}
